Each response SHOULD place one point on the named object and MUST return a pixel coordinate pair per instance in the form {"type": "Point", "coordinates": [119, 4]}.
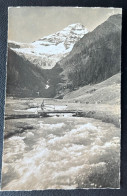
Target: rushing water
{"type": "Point", "coordinates": [61, 152]}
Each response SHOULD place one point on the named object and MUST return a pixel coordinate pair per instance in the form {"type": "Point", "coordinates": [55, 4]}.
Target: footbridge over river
{"type": "Point", "coordinates": [44, 114]}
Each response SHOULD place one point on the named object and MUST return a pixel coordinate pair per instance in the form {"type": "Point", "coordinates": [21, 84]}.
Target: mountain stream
{"type": "Point", "coordinates": [62, 152]}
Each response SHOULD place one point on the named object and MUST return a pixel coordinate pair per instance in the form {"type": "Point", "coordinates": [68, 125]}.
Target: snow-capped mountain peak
{"type": "Point", "coordinates": [68, 35]}
{"type": "Point", "coordinates": [47, 51]}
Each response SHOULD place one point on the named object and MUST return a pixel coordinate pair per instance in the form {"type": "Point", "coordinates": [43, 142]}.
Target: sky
{"type": "Point", "coordinates": [28, 24]}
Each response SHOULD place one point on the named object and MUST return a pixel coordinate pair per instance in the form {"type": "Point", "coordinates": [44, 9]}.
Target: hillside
{"type": "Point", "coordinates": [94, 58]}
{"type": "Point", "coordinates": [106, 92]}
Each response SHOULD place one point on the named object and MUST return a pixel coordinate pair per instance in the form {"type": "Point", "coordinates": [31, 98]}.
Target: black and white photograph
{"type": "Point", "coordinates": [62, 126]}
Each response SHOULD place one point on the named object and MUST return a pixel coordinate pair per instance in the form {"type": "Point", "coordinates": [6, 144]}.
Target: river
{"type": "Point", "coordinates": [61, 152]}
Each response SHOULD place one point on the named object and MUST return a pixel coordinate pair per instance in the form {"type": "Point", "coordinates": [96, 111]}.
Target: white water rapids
{"type": "Point", "coordinates": [62, 153]}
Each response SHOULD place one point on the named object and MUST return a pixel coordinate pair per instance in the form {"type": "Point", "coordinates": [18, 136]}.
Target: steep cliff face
{"type": "Point", "coordinates": [95, 57]}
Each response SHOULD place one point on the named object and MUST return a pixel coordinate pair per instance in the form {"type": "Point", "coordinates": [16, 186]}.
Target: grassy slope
{"type": "Point", "coordinates": [106, 92]}
{"type": "Point", "coordinates": [106, 99]}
